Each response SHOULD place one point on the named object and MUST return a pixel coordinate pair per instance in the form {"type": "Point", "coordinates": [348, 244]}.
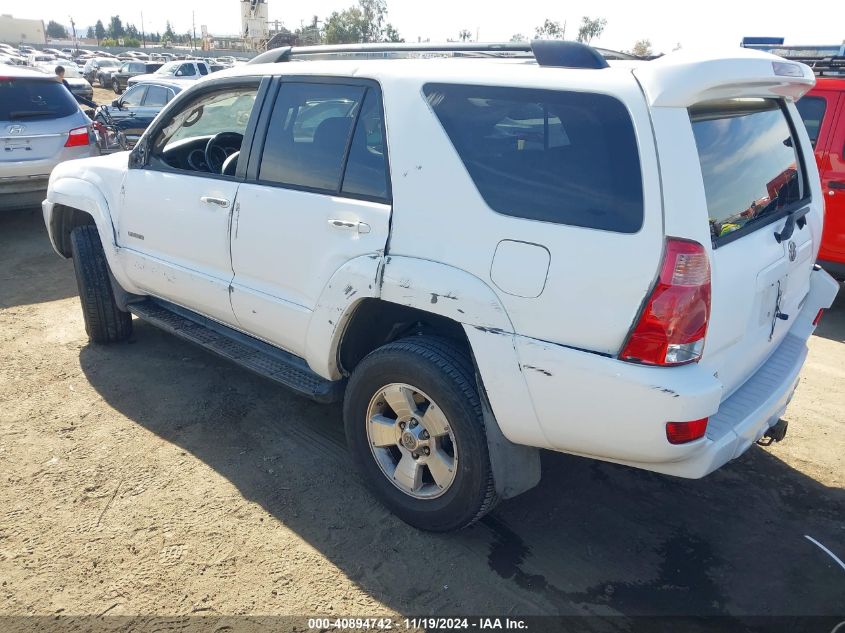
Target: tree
{"type": "Point", "coordinates": [168, 32]}
{"type": "Point", "coordinates": [642, 49]}
{"type": "Point", "coordinates": [465, 35]}
{"type": "Point", "coordinates": [116, 29]}
{"type": "Point", "coordinates": [518, 37]}
{"type": "Point", "coordinates": [90, 34]}
{"type": "Point", "coordinates": [132, 31]}
{"type": "Point", "coordinates": [56, 30]}
{"type": "Point", "coordinates": [590, 29]}
{"type": "Point", "coordinates": [99, 31]}
{"type": "Point", "coordinates": [391, 34]}
{"type": "Point", "coordinates": [550, 30]}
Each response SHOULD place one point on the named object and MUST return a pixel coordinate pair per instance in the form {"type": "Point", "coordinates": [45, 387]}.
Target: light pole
{"type": "Point", "coordinates": [73, 28]}
{"type": "Point", "coordinates": [143, 35]}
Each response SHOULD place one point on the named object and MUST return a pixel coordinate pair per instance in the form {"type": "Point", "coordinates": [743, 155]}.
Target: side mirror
{"type": "Point", "coordinates": [116, 104]}
{"type": "Point", "coordinates": [178, 73]}
{"type": "Point", "coordinates": [138, 155]}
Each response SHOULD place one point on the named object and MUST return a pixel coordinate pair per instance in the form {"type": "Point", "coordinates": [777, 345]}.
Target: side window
{"type": "Point", "coordinates": [203, 69]}
{"type": "Point", "coordinates": [156, 96]}
{"type": "Point", "coordinates": [183, 140]}
{"type": "Point", "coordinates": [134, 96]}
{"type": "Point", "coordinates": [366, 168]}
{"type": "Point", "coordinates": [187, 70]}
{"type": "Point", "coordinates": [812, 110]}
{"type": "Point", "coordinates": [309, 133]}
{"type": "Point", "coordinates": [547, 155]}
{"type": "Point", "coordinates": [125, 68]}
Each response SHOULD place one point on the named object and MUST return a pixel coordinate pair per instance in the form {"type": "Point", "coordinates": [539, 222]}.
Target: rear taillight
{"type": "Point", "coordinates": [683, 432]}
{"type": "Point", "coordinates": [819, 316]}
{"type": "Point", "coordinates": [77, 137]}
{"type": "Point", "coordinates": [673, 324]}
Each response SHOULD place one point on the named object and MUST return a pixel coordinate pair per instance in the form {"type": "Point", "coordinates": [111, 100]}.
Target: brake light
{"type": "Point", "coordinates": [683, 432]}
{"type": "Point", "coordinates": [77, 137]}
{"type": "Point", "coordinates": [672, 327]}
{"type": "Point", "coordinates": [818, 317]}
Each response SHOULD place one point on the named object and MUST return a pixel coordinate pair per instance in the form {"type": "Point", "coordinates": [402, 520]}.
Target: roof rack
{"type": "Point", "coordinates": [833, 66]}
{"type": "Point", "coordinates": [557, 53]}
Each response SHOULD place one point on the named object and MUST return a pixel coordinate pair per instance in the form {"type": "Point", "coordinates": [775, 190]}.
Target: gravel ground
{"type": "Point", "coordinates": [153, 478]}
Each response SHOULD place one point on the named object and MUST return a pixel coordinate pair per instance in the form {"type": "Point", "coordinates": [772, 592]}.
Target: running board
{"type": "Point", "coordinates": [257, 356]}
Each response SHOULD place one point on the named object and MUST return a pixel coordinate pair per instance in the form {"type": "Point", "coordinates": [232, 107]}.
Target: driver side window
{"type": "Point", "coordinates": [204, 135]}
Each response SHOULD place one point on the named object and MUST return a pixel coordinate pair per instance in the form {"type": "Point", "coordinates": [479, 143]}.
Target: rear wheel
{"type": "Point", "coordinates": [115, 84]}
{"type": "Point", "coordinates": [101, 81]}
{"type": "Point", "coordinates": [104, 321]}
{"type": "Point", "coordinates": [414, 426]}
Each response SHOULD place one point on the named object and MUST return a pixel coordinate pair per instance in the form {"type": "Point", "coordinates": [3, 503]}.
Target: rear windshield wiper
{"type": "Point", "coordinates": [29, 114]}
{"type": "Point", "coordinates": [792, 218]}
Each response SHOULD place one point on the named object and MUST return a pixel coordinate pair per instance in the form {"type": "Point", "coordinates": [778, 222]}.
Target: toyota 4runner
{"type": "Point", "coordinates": [483, 254]}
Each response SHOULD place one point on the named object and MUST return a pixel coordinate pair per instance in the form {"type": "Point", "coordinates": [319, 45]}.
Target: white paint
{"type": "Point", "coordinates": [825, 550]}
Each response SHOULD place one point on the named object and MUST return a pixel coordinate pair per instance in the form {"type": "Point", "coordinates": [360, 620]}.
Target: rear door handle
{"type": "Point", "coordinates": [220, 202]}
{"type": "Point", "coordinates": [836, 184]}
{"type": "Point", "coordinates": [350, 225]}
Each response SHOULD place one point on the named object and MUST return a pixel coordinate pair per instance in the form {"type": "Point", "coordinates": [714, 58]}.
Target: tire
{"type": "Point", "coordinates": [435, 369]}
{"type": "Point", "coordinates": [104, 321]}
{"type": "Point", "coordinates": [102, 83]}
{"type": "Point", "coordinates": [115, 84]}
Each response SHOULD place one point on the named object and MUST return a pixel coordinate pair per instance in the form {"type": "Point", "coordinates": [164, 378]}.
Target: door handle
{"type": "Point", "coordinates": [350, 225]}
{"type": "Point", "coordinates": [835, 184]}
{"type": "Point", "coordinates": [220, 202]}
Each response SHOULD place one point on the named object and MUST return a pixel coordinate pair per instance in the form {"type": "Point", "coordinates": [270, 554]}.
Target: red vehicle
{"type": "Point", "coordinates": [823, 112]}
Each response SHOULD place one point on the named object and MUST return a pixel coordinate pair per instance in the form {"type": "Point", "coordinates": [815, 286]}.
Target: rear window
{"type": "Point", "coordinates": [553, 156]}
{"type": "Point", "coordinates": [749, 163]}
{"type": "Point", "coordinates": [812, 110]}
{"type": "Point", "coordinates": [22, 99]}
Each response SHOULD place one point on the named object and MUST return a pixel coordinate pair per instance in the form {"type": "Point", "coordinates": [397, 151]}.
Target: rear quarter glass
{"type": "Point", "coordinates": [548, 155]}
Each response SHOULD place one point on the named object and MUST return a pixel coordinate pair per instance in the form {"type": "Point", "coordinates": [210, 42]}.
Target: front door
{"type": "Point", "coordinates": [317, 197]}
{"type": "Point", "coordinates": [175, 220]}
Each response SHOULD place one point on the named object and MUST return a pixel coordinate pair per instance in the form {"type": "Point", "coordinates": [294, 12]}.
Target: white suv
{"type": "Point", "coordinates": [481, 257]}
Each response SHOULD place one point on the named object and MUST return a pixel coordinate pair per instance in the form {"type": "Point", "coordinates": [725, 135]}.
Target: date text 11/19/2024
{"type": "Point", "coordinates": [421, 623]}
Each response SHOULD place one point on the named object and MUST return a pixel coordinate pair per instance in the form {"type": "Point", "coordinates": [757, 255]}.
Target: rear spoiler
{"type": "Point", "coordinates": [681, 79]}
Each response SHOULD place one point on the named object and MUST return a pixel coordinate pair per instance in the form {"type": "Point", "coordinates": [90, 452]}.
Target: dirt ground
{"type": "Point", "coordinates": [153, 478]}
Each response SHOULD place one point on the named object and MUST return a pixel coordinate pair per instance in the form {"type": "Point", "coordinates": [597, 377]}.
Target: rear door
{"type": "Point", "coordinates": [317, 195]}
{"type": "Point", "coordinates": [754, 178]}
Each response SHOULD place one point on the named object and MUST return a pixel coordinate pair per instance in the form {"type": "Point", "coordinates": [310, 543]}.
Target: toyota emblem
{"type": "Point", "coordinates": [793, 251]}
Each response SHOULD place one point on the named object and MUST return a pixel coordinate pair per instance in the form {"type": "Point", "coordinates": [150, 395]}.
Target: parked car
{"type": "Point", "coordinates": [190, 70]}
{"type": "Point", "coordinates": [92, 68]}
{"type": "Point", "coordinates": [127, 70]}
{"type": "Point", "coordinates": [73, 76]}
{"type": "Point", "coordinates": [594, 310]}
{"type": "Point", "coordinates": [41, 125]}
{"type": "Point", "coordinates": [131, 114]}
{"type": "Point", "coordinates": [36, 59]}
{"type": "Point", "coordinates": [823, 112]}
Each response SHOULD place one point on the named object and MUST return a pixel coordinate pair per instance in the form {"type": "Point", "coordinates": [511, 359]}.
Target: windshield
{"type": "Point", "coordinates": [748, 161]}
{"type": "Point", "coordinates": [169, 69]}
{"type": "Point", "coordinates": [108, 62]}
{"type": "Point", "coordinates": [25, 98]}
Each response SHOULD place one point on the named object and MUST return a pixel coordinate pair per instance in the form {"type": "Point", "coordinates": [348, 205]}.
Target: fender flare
{"type": "Point", "coordinates": [80, 194]}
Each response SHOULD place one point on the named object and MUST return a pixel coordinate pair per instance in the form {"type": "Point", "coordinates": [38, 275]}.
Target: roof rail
{"type": "Point", "coordinates": [822, 66]}
{"type": "Point", "coordinates": [558, 53]}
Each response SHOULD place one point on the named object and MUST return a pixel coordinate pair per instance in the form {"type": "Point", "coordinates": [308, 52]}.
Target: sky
{"type": "Point", "coordinates": [665, 24]}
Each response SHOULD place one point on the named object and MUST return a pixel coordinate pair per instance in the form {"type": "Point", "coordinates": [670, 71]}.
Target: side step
{"type": "Point", "coordinates": [257, 356]}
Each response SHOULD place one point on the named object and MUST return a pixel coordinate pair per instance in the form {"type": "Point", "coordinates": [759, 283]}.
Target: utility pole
{"type": "Point", "coordinates": [193, 30]}
{"type": "Point", "coordinates": [73, 28]}
{"type": "Point", "coordinates": [143, 35]}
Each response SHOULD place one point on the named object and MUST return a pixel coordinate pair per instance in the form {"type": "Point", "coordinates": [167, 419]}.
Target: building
{"type": "Point", "coordinates": [19, 31]}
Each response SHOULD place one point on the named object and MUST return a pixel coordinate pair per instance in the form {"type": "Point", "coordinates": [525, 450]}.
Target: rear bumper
{"type": "Point", "coordinates": [603, 408]}
{"type": "Point", "coordinates": [22, 192]}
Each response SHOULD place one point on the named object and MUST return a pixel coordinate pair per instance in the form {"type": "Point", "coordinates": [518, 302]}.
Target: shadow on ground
{"type": "Point", "coordinates": [592, 538]}
{"type": "Point", "coordinates": [33, 272]}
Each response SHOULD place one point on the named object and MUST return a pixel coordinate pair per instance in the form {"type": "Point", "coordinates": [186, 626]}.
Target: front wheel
{"type": "Point", "coordinates": [415, 429]}
{"type": "Point", "coordinates": [115, 84]}
{"type": "Point", "coordinates": [104, 321]}
{"type": "Point", "coordinates": [101, 81]}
